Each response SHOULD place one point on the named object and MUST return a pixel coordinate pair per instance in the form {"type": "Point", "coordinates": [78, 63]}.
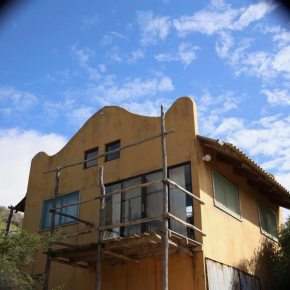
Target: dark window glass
{"type": "Point", "coordinates": [226, 195]}
{"type": "Point", "coordinates": [268, 222]}
{"type": "Point", "coordinates": [90, 154]}
{"type": "Point", "coordinates": [59, 220]}
{"type": "Point", "coordinates": [111, 147]}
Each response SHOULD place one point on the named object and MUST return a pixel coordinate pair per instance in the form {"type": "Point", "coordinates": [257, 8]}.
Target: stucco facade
{"type": "Point", "coordinates": [230, 240]}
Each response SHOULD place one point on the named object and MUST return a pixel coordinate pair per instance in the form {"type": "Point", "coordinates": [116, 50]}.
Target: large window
{"type": "Point", "coordinates": [111, 147]}
{"type": "Point", "coordinates": [148, 202]}
{"type": "Point", "coordinates": [91, 154]}
{"type": "Point", "coordinates": [59, 220]}
{"type": "Point", "coordinates": [226, 195]}
{"type": "Point", "coordinates": [268, 222]}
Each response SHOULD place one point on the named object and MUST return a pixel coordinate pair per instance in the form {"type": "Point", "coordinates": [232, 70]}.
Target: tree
{"type": "Point", "coordinates": [17, 250]}
{"type": "Point", "coordinates": [281, 259]}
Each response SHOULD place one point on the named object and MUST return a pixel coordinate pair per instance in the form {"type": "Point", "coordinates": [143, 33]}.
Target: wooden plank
{"type": "Point", "coordinates": [185, 191]}
{"type": "Point", "coordinates": [186, 224]}
{"type": "Point", "coordinates": [228, 159]}
{"type": "Point", "coordinates": [165, 206]}
{"type": "Point", "coordinates": [261, 185]}
{"type": "Point", "coordinates": [113, 151]}
{"type": "Point", "coordinates": [65, 244]}
{"type": "Point", "coordinates": [246, 173]}
{"type": "Point", "coordinates": [281, 203]}
{"type": "Point", "coordinates": [52, 225]}
{"type": "Point", "coordinates": [70, 263]}
{"type": "Point", "coordinates": [183, 249]}
{"type": "Point", "coordinates": [75, 218]}
{"type": "Point", "coordinates": [111, 253]}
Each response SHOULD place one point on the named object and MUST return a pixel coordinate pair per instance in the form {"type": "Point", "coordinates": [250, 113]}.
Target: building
{"type": "Point", "coordinates": [240, 215]}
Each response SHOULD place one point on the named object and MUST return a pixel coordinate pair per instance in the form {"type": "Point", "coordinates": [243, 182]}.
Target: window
{"type": "Point", "coordinates": [226, 195]}
{"type": "Point", "coordinates": [268, 222]}
{"type": "Point", "coordinates": [148, 202]}
{"type": "Point", "coordinates": [59, 220]}
{"type": "Point", "coordinates": [90, 154]}
{"type": "Point", "coordinates": [111, 147]}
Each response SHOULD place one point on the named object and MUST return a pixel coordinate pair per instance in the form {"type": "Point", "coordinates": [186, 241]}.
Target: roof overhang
{"type": "Point", "coordinates": [244, 166]}
{"type": "Point", "coordinates": [21, 205]}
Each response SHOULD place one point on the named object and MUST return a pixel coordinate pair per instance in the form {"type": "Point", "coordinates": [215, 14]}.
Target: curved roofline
{"type": "Point", "coordinates": [108, 108]}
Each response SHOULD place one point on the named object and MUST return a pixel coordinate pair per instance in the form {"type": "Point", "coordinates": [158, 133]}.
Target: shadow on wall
{"type": "Point", "coordinates": [261, 263]}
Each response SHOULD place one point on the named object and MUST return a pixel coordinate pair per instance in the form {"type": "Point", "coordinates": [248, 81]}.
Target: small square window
{"type": "Point", "coordinates": [268, 222]}
{"type": "Point", "coordinates": [226, 195]}
{"type": "Point", "coordinates": [90, 154]}
{"type": "Point", "coordinates": [111, 147]}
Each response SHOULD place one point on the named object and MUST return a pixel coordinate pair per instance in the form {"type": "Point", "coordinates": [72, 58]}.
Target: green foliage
{"type": "Point", "coordinates": [281, 259]}
{"type": "Point", "coordinates": [16, 253]}
{"type": "Point", "coordinates": [16, 219]}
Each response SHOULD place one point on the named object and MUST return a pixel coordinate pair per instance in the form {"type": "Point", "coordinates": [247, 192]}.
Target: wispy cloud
{"type": "Point", "coordinates": [114, 55]}
{"type": "Point", "coordinates": [77, 117]}
{"type": "Point", "coordinates": [185, 54]}
{"type": "Point", "coordinates": [225, 18]}
{"type": "Point", "coordinates": [83, 56]}
{"type": "Point", "coordinates": [13, 100]}
{"type": "Point", "coordinates": [153, 28]}
{"type": "Point", "coordinates": [108, 37]}
{"type": "Point", "coordinates": [277, 97]}
{"type": "Point", "coordinates": [89, 22]}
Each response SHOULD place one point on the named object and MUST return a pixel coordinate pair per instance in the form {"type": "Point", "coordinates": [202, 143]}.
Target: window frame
{"type": "Point", "coordinates": [144, 226]}
{"type": "Point", "coordinates": [61, 225]}
{"type": "Point", "coordinates": [222, 207]}
{"type": "Point", "coordinates": [263, 232]}
{"type": "Point", "coordinates": [88, 152]}
{"type": "Point", "coordinates": [110, 144]}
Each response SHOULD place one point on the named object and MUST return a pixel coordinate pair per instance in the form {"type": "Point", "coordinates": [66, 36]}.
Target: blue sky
{"type": "Point", "coordinates": [61, 61]}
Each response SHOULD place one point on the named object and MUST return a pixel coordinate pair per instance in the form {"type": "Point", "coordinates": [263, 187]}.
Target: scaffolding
{"type": "Point", "coordinates": [130, 248]}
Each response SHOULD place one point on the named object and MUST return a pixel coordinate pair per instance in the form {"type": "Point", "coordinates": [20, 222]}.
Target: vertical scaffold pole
{"type": "Point", "coordinates": [165, 206]}
{"type": "Point", "coordinates": [101, 224]}
{"type": "Point", "coordinates": [52, 226]}
{"type": "Point", "coordinates": [9, 219]}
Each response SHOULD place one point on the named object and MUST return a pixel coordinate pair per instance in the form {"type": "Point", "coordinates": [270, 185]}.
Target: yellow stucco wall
{"type": "Point", "coordinates": [234, 242]}
{"type": "Point", "coordinates": [108, 125]}
{"type": "Point", "coordinates": [228, 240]}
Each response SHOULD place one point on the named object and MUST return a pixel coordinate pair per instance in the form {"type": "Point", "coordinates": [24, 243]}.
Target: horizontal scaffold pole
{"type": "Point", "coordinates": [186, 224]}
{"type": "Point", "coordinates": [113, 151]}
{"type": "Point", "coordinates": [139, 221]}
{"type": "Point", "coordinates": [184, 190]}
{"type": "Point", "coordinates": [75, 218]}
{"type": "Point", "coordinates": [109, 194]}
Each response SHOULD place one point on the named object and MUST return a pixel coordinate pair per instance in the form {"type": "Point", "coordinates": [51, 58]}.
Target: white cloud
{"type": "Point", "coordinates": [79, 116]}
{"type": "Point", "coordinates": [114, 55]}
{"type": "Point", "coordinates": [102, 68]}
{"type": "Point", "coordinates": [135, 55]}
{"type": "Point", "coordinates": [17, 148]}
{"type": "Point", "coordinates": [282, 60]}
{"type": "Point", "coordinates": [147, 107]}
{"type": "Point", "coordinates": [153, 28]}
{"type": "Point", "coordinates": [83, 57]}
{"type": "Point", "coordinates": [278, 97]}
{"type": "Point", "coordinates": [185, 54]}
{"type": "Point", "coordinates": [13, 100]}
{"type": "Point", "coordinates": [224, 43]}
{"type": "Point", "coordinates": [282, 37]}
{"type": "Point", "coordinates": [205, 21]}
{"type": "Point", "coordinates": [253, 13]}
{"type": "Point", "coordinates": [111, 91]}
{"type": "Point", "coordinates": [221, 17]}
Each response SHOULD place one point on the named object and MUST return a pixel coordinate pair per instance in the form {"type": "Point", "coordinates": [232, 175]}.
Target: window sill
{"type": "Point", "coordinates": [274, 239]}
{"type": "Point", "coordinates": [60, 226]}
{"type": "Point", "coordinates": [227, 211]}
